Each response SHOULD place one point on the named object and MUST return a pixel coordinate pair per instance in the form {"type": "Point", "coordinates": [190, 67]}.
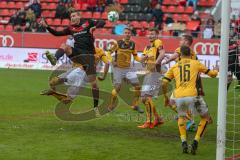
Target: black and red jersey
{"type": "Point", "coordinates": [81, 33]}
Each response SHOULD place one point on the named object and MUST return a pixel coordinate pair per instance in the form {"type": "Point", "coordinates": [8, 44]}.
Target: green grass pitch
{"type": "Point", "coordinates": [30, 130]}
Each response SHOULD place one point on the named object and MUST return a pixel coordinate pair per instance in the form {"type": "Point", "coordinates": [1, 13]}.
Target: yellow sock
{"type": "Point", "coordinates": [153, 108]}
{"type": "Point", "coordinates": [136, 96]}
{"type": "Point", "coordinates": [182, 128]}
{"type": "Point", "coordinates": [113, 97]}
{"type": "Point", "coordinates": [148, 111]}
{"type": "Point", "coordinates": [201, 128]}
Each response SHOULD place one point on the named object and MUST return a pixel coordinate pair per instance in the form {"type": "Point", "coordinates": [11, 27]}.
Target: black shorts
{"type": "Point", "coordinates": [85, 58]}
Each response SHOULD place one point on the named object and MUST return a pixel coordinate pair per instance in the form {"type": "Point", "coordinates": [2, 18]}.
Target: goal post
{"type": "Point", "coordinates": [222, 85]}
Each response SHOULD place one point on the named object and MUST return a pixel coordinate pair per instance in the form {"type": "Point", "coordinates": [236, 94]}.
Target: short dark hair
{"type": "Point", "coordinates": [154, 30]}
{"type": "Point", "coordinates": [188, 38]}
{"type": "Point", "coordinates": [185, 51]}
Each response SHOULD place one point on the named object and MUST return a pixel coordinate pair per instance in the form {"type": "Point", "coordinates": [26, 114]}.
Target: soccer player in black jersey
{"type": "Point", "coordinates": [82, 54]}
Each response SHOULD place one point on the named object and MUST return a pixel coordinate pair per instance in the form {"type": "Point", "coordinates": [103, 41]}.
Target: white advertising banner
{"type": "Point", "coordinates": [27, 58]}
{"type": "Point", "coordinates": [33, 58]}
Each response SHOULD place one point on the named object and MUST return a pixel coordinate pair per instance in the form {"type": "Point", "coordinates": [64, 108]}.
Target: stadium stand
{"type": "Point", "coordinates": [133, 13]}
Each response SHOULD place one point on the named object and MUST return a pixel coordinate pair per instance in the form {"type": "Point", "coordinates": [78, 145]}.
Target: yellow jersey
{"type": "Point", "coordinates": [185, 73]}
{"type": "Point", "coordinates": [152, 51]}
{"type": "Point", "coordinates": [123, 53]}
{"type": "Point", "coordinates": [193, 54]}
{"type": "Point", "coordinates": [100, 56]}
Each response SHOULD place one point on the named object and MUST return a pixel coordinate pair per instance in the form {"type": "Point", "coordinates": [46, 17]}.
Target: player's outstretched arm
{"type": "Point", "coordinates": [52, 31]}
{"type": "Point", "coordinates": [173, 57]}
{"type": "Point", "coordinates": [211, 73]}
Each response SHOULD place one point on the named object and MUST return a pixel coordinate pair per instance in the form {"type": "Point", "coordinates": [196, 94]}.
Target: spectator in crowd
{"type": "Point", "coordinates": [19, 18]}
{"type": "Point", "coordinates": [158, 15]}
{"type": "Point", "coordinates": [217, 29]}
{"type": "Point", "coordinates": [100, 5]}
{"type": "Point", "coordinates": [31, 2]}
{"type": "Point", "coordinates": [142, 32]}
{"type": "Point", "coordinates": [133, 30]}
{"type": "Point", "coordinates": [108, 2]}
{"type": "Point", "coordinates": [12, 20]}
{"type": "Point", "coordinates": [36, 7]}
{"type": "Point", "coordinates": [192, 3]}
{"type": "Point", "coordinates": [28, 27]}
{"type": "Point", "coordinates": [209, 29]}
{"type": "Point", "coordinates": [61, 11]}
{"type": "Point", "coordinates": [41, 28]}
{"type": "Point", "coordinates": [66, 1]}
{"type": "Point", "coordinates": [115, 6]}
{"type": "Point", "coordinates": [34, 26]}
{"type": "Point", "coordinates": [18, 28]}
{"type": "Point", "coordinates": [169, 19]}
{"type": "Point", "coordinates": [146, 6]}
{"type": "Point", "coordinates": [196, 17]}
{"type": "Point", "coordinates": [154, 3]}
{"type": "Point", "coordinates": [30, 16]}
{"type": "Point", "coordinates": [69, 9]}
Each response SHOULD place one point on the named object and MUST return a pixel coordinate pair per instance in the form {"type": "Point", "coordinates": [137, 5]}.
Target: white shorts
{"type": "Point", "coordinates": [120, 73]}
{"type": "Point", "coordinates": [76, 78]}
{"type": "Point", "coordinates": [196, 105]}
{"type": "Point", "coordinates": [151, 84]}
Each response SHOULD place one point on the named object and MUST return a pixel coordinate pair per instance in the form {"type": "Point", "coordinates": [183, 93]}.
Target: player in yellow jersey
{"type": "Point", "coordinates": [122, 69]}
{"type": "Point", "coordinates": [185, 73]}
{"type": "Point", "coordinates": [152, 58]}
{"type": "Point", "coordinates": [187, 40]}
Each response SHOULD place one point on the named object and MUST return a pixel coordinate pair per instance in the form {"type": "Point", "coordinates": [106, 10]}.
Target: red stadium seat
{"type": "Point", "coordinates": [65, 22]}
{"type": "Point", "coordinates": [189, 9]}
{"type": "Point", "coordinates": [176, 17]}
{"type": "Point", "coordinates": [52, 6]}
{"type": "Point", "coordinates": [3, 4]}
{"type": "Point", "coordinates": [11, 5]}
{"type": "Point", "coordinates": [77, 6]}
{"type": "Point", "coordinates": [151, 24]}
{"type": "Point", "coordinates": [1, 27]}
{"type": "Point", "coordinates": [193, 25]}
{"type": "Point", "coordinates": [49, 21]}
{"type": "Point", "coordinates": [86, 14]}
{"type": "Point", "coordinates": [46, 13]}
{"type": "Point", "coordinates": [180, 9]}
{"type": "Point", "coordinates": [109, 24]}
{"type": "Point", "coordinates": [124, 1]}
{"type": "Point", "coordinates": [96, 15]}
{"type": "Point", "coordinates": [144, 24]}
{"type": "Point", "coordinates": [185, 18]}
{"type": "Point", "coordinates": [84, 7]}
{"type": "Point", "coordinates": [167, 2]}
{"type": "Point", "coordinates": [56, 22]}
{"type": "Point", "coordinates": [164, 8]}
{"type": "Point", "coordinates": [44, 5]}
{"type": "Point", "coordinates": [19, 5]}
{"type": "Point", "coordinates": [4, 12]}
{"type": "Point", "coordinates": [136, 24]}
{"type": "Point", "coordinates": [6, 18]}
{"type": "Point", "coordinates": [171, 9]}
{"type": "Point", "coordinates": [9, 28]}
{"type": "Point", "coordinates": [52, 14]}
{"type": "Point", "coordinates": [104, 15]}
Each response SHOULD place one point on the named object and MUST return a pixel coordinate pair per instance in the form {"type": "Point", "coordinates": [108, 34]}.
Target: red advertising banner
{"type": "Point", "coordinates": [45, 40]}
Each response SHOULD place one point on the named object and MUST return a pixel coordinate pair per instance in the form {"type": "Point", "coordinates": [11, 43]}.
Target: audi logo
{"type": "Point", "coordinates": [207, 48]}
{"type": "Point", "coordinates": [103, 43]}
{"type": "Point", "coordinates": [7, 40]}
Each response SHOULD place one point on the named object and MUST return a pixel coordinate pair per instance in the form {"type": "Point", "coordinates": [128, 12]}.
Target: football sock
{"type": "Point", "coordinates": [182, 128]}
{"type": "Point", "coordinates": [153, 109]}
{"type": "Point", "coordinates": [148, 111]}
{"type": "Point", "coordinates": [201, 128]}
{"type": "Point", "coordinates": [136, 96]}
{"type": "Point", "coordinates": [59, 96]}
{"type": "Point", "coordinates": [113, 97]}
